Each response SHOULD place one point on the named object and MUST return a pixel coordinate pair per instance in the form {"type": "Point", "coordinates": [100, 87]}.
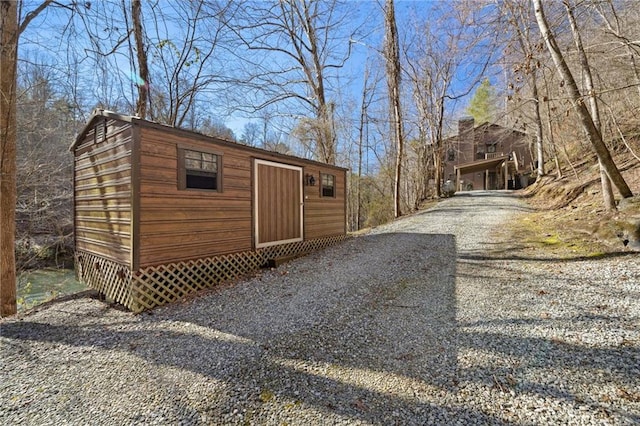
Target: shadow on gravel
{"type": "Point", "coordinates": [366, 338]}
{"type": "Point", "coordinates": [585, 358]}
{"type": "Point", "coordinates": [570, 367]}
{"type": "Point", "coordinates": [510, 253]}
{"type": "Point", "coordinates": [487, 193]}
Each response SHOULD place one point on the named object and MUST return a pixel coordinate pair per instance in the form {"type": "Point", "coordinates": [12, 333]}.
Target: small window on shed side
{"type": "Point", "coordinates": [327, 185]}
{"type": "Point", "coordinates": [199, 170]}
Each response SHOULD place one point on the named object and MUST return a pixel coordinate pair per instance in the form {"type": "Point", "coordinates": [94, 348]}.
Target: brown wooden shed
{"type": "Point", "coordinates": [161, 212]}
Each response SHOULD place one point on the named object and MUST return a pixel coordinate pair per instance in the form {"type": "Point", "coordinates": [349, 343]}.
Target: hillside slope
{"type": "Point", "coordinates": [570, 215]}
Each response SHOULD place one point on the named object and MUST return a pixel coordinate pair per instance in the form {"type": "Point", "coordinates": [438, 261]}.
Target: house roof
{"type": "Point", "coordinates": [99, 114]}
{"type": "Point", "coordinates": [486, 126]}
{"type": "Point", "coordinates": [480, 165]}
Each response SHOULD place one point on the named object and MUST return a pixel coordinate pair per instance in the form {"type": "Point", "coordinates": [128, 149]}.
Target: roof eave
{"type": "Point", "coordinates": [98, 112]}
{"type": "Point", "coordinates": [132, 119]}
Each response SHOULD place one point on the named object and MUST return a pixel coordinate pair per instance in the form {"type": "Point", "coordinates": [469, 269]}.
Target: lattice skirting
{"type": "Point", "coordinates": [157, 285]}
{"type": "Point", "coordinates": [108, 277]}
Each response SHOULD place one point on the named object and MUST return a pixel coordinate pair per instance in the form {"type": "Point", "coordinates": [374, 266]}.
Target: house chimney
{"type": "Point", "coordinates": [464, 124]}
{"type": "Point", "coordinates": [466, 139]}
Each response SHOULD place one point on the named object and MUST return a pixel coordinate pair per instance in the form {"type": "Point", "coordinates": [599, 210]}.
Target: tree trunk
{"type": "Point", "coordinates": [593, 134]}
{"type": "Point", "coordinates": [8, 59]}
{"type": "Point", "coordinates": [437, 169]}
{"type": "Point", "coordinates": [522, 27]}
{"type": "Point", "coordinates": [9, 35]}
{"type": "Point", "coordinates": [438, 150]}
{"type": "Point", "coordinates": [538, 119]}
{"type": "Point", "coordinates": [363, 117]}
{"type": "Point", "coordinates": [392, 56]}
{"type": "Point", "coordinates": [325, 143]}
{"type": "Point", "coordinates": [143, 85]}
{"type": "Point", "coordinates": [607, 190]}
{"type": "Point", "coordinates": [552, 143]}
{"type": "Point", "coordinates": [315, 75]}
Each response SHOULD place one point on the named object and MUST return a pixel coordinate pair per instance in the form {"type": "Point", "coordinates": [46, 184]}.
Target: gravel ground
{"type": "Point", "coordinates": [431, 319]}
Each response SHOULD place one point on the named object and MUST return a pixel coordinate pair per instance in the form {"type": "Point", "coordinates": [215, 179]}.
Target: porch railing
{"type": "Point", "coordinates": [490, 155]}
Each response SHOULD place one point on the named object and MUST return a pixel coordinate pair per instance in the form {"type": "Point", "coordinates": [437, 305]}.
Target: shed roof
{"type": "Point", "coordinates": [98, 114]}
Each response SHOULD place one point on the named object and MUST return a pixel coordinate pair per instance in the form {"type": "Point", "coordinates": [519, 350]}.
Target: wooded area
{"type": "Point", "coordinates": [307, 77]}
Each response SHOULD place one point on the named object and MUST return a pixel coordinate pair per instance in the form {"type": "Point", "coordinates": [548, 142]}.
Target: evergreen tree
{"type": "Point", "coordinates": [482, 106]}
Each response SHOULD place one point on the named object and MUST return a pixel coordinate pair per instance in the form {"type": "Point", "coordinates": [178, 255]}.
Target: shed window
{"type": "Point", "coordinates": [328, 185]}
{"type": "Point", "coordinates": [199, 170]}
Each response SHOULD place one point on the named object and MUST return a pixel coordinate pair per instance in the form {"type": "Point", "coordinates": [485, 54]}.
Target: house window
{"type": "Point", "coordinates": [451, 155]}
{"type": "Point", "coordinates": [199, 170]}
{"type": "Point", "coordinates": [491, 148]}
{"type": "Point", "coordinates": [328, 185]}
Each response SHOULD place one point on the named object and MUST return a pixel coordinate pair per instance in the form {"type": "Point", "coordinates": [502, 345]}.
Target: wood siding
{"type": "Point", "coordinates": [470, 145]}
{"type": "Point", "coordinates": [129, 208]}
{"type": "Point", "coordinates": [186, 224]}
{"type": "Point", "coordinates": [177, 225]}
{"type": "Point", "coordinates": [102, 186]}
{"type": "Point", "coordinates": [324, 216]}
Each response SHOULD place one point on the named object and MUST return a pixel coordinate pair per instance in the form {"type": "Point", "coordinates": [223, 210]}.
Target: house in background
{"type": "Point", "coordinates": [487, 156]}
{"type": "Point", "coordinates": [161, 212]}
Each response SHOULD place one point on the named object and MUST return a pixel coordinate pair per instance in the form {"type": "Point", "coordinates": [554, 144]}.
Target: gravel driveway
{"type": "Point", "coordinates": [428, 320]}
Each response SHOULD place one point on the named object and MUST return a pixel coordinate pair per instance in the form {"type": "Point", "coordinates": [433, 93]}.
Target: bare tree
{"type": "Point", "coordinates": [441, 50]}
{"type": "Point", "coordinates": [431, 73]}
{"type": "Point", "coordinates": [46, 124]}
{"type": "Point", "coordinates": [607, 190]}
{"type": "Point", "coordinates": [9, 35]}
{"type": "Point", "coordinates": [432, 79]}
{"type": "Point", "coordinates": [619, 63]}
{"type": "Point", "coordinates": [187, 66]}
{"type": "Point", "coordinates": [365, 103]}
{"type": "Point", "coordinates": [215, 127]}
{"type": "Point", "coordinates": [291, 51]}
{"type": "Point", "coordinates": [173, 50]}
{"type": "Point", "coordinates": [99, 32]}
{"type": "Point", "coordinates": [392, 61]}
{"type": "Point", "coordinates": [250, 134]}
{"type": "Point", "coordinates": [9, 59]}
{"type": "Point", "coordinates": [607, 10]}
{"type": "Point", "coordinates": [518, 17]}
{"type": "Point", "coordinates": [141, 55]}
{"type": "Point", "coordinates": [586, 120]}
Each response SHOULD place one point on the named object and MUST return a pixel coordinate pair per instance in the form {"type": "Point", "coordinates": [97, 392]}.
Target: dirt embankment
{"type": "Point", "coordinates": [570, 214]}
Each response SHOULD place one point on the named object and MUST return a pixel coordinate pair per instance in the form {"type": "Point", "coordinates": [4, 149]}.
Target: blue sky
{"type": "Point", "coordinates": [42, 42]}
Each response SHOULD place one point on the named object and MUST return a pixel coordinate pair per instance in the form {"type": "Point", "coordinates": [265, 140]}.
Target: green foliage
{"type": "Point", "coordinates": [171, 46]}
{"type": "Point", "coordinates": [483, 105]}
